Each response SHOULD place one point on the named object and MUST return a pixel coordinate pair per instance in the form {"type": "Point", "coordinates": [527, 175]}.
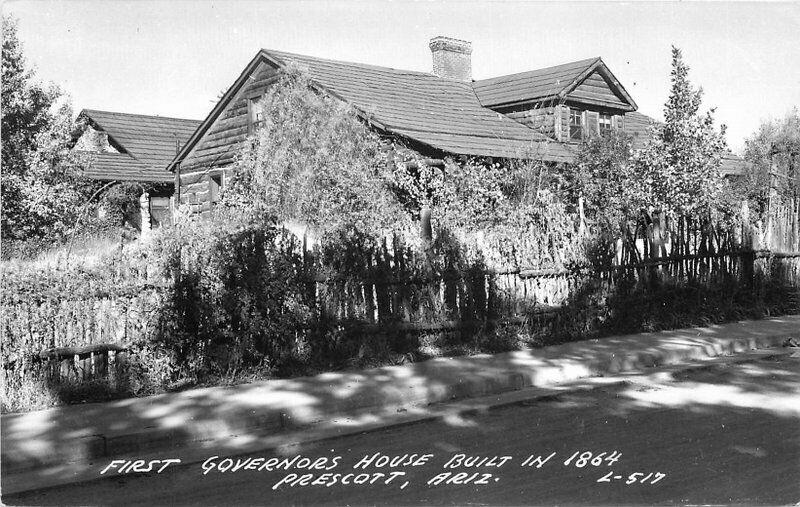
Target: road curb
{"type": "Point", "coordinates": [241, 410]}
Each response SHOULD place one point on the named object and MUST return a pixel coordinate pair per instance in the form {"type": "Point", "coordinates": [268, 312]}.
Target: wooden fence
{"type": "Point", "coordinates": [782, 234]}
{"type": "Point", "coordinates": [102, 360]}
{"type": "Point", "coordinates": [395, 288]}
{"type": "Point", "coordinates": [651, 254]}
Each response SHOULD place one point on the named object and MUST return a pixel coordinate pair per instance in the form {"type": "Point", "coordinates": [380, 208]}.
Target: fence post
{"type": "Point", "coordinates": [773, 193]}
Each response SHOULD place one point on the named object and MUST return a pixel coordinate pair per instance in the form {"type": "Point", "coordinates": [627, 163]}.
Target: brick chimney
{"type": "Point", "coordinates": [451, 58]}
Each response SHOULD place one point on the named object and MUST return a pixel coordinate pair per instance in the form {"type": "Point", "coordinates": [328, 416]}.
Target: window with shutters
{"type": "Point", "coordinates": [575, 125]}
{"type": "Point", "coordinates": [605, 123]}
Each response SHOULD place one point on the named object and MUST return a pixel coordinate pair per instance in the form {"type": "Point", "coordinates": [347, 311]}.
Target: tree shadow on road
{"type": "Point", "coordinates": [720, 434]}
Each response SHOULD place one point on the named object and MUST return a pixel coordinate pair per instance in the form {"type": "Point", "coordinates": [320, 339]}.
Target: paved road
{"type": "Point", "coordinates": [724, 432]}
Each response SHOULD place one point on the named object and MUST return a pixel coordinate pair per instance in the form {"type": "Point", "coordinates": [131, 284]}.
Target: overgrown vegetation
{"type": "Point", "coordinates": [41, 192]}
{"type": "Point", "coordinates": [313, 162]}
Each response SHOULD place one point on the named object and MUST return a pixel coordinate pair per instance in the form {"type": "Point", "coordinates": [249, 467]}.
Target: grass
{"type": "Point", "coordinates": [84, 251]}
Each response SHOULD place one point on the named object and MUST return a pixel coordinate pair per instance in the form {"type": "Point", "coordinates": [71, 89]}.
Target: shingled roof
{"type": "Point", "coordinates": [447, 115]}
{"type": "Point", "coordinates": [440, 113]}
{"type": "Point", "coordinates": [109, 166]}
{"type": "Point", "coordinates": [543, 84]}
{"type": "Point", "coordinates": [146, 145]}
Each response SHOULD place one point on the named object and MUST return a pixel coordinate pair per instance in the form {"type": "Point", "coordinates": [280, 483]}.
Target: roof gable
{"type": "Point", "coordinates": [597, 90]}
{"type": "Point", "coordinates": [551, 83]}
{"type": "Point", "coordinates": [441, 113]}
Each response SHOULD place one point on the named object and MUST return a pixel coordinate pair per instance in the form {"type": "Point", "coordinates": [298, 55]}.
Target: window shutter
{"type": "Point", "coordinates": [565, 118]}
{"type": "Point", "coordinates": [250, 114]}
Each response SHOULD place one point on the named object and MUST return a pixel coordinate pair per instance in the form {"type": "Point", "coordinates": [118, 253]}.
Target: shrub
{"type": "Point", "coordinates": [237, 297]}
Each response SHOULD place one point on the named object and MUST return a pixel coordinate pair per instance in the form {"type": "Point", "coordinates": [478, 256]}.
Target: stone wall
{"type": "Point", "coordinates": [199, 191]}
{"type": "Point", "coordinates": [94, 141]}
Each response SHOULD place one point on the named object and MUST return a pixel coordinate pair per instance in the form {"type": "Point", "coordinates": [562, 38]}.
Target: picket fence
{"type": "Point", "coordinates": [651, 254]}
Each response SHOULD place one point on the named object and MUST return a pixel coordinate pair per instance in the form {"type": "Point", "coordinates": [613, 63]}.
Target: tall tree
{"type": "Point", "coordinates": [774, 147]}
{"type": "Point", "coordinates": [679, 167]}
{"type": "Point", "coordinates": [41, 189]}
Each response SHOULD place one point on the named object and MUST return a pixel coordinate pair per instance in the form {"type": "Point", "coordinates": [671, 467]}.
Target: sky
{"type": "Point", "coordinates": [175, 58]}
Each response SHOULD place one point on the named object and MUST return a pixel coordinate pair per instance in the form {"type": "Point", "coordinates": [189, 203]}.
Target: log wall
{"type": "Point", "coordinates": [218, 146]}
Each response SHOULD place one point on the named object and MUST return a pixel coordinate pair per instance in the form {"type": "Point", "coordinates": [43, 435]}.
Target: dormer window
{"type": "Point", "coordinates": [255, 115]}
{"type": "Point", "coordinates": [605, 123]}
{"type": "Point", "coordinates": [575, 125]}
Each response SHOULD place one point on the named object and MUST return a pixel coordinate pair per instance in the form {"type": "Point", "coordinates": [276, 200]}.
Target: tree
{"type": "Point", "coordinates": [774, 147]}
{"type": "Point", "coordinates": [679, 167]}
{"type": "Point", "coordinates": [42, 191]}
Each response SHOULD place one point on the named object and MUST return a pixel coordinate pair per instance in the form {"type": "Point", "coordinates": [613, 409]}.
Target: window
{"type": "Point", "coordinates": [575, 125]}
{"type": "Point", "coordinates": [605, 123]}
{"type": "Point", "coordinates": [214, 187]}
{"type": "Point", "coordinates": [255, 116]}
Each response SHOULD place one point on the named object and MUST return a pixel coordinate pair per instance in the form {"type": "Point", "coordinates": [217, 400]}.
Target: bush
{"type": "Point", "coordinates": [237, 298]}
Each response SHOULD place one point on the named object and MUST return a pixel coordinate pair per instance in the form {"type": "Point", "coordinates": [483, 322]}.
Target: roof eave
{"type": "Point", "coordinates": [215, 112]}
{"type": "Point", "coordinates": [554, 98]}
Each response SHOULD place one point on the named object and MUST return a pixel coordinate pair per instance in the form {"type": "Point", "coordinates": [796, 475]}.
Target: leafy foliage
{"type": "Point", "coordinates": [233, 294]}
{"type": "Point", "coordinates": [236, 299]}
{"type": "Point", "coordinates": [313, 162]}
{"type": "Point", "coordinates": [414, 183]}
{"type": "Point", "coordinates": [602, 176]}
{"type": "Point", "coordinates": [42, 191]}
{"type": "Point", "coordinates": [506, 216]}
{"type": "Point", "coordinates": [678, 170]}
{"type": "Point", "coordinates": [775, 146]}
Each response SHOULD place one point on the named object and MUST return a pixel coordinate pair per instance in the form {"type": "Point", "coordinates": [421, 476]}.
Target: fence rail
{"type": "Point", "coordinates": [88, 362]}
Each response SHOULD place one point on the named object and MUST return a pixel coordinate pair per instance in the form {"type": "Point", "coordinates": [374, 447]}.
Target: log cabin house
{"type": "Point", "coordinates": [134, 148]}
{"type": "Point", "coordinates": [541, 114]}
